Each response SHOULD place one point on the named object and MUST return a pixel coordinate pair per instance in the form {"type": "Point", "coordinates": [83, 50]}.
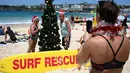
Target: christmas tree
{"type": "Point", "coordinates": [49, 34]}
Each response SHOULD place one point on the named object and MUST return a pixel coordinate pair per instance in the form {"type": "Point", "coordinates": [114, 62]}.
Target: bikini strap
{"type": "Point", "coordinates": [108, 43]}
{"type": "Point", "coordinates": [120, 45]}
{"type": "Point", "coordinates": [111, 45]}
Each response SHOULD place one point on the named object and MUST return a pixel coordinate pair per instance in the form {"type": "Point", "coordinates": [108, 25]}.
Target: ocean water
{"type": "Point", "coordinates": [24, 17]}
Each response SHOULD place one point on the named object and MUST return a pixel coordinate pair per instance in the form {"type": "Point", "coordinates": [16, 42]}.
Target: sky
{"type": "Point", "coordinates": [36, 2]}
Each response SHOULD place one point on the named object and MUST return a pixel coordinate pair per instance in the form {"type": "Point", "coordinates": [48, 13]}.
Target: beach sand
{"type": "Point", "coordinates": [21, 47]}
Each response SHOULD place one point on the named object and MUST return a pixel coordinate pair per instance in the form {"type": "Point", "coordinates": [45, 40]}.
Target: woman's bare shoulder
{"type": "Point", "coordinates": [126, 40]}
{"type": "Point", "coordinates": [95, 39]}
{"type": "Point", "coordinates": [98, 40]}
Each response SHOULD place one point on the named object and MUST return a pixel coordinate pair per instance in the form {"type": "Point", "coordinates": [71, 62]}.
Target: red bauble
{"type": "Point", "coordinates": [48, 4]}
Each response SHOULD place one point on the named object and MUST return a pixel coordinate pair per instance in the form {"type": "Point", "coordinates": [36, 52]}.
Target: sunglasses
{"type": "Point", "coordinates": [37, 21]}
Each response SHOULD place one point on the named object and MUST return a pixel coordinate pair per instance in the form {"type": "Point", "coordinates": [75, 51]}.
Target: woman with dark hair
{"type": "Point", "coordinates": [11, 35]}
{"type": "Point", "coordinates": [107, 48]}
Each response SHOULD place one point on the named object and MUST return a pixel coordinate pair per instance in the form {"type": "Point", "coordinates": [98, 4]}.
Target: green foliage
{"type": "Point", "coordinates": [49, 34]}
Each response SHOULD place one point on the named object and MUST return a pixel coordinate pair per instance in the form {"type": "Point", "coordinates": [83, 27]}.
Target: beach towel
{"type": "Point", "coordinates": [1, 31]}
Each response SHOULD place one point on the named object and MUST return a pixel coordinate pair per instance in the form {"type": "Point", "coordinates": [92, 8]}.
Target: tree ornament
{"type": "Point", "coordinates": [49, 4]}
{"type": "Point", "coordinates": [54, 46]}
{"type": "Point", "coordinates": [54, 27]}
{"type": "Point", "coordinates": [45, 35]}
{"type": "Point", "coordinates": [46, 1]}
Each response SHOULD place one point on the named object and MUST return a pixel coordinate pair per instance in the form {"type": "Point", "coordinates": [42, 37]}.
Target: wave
{"type": "Point", "coordinates": [24, 17]}
{"type": "Point", "coordinates": [17, 22]}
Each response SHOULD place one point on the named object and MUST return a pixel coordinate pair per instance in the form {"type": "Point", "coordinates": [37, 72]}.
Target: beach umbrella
{"type": "Point", "coordinates": [121, 17]}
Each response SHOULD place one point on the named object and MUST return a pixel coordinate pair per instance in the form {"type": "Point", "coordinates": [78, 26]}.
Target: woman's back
{"type": "Point", "coordinates": [108, 53]}
{"type": "Point", "coordinates": [101, 52]}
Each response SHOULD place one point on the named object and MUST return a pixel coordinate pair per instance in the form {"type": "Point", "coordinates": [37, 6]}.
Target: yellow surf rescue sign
{"type": "Point", "coordinates": [39, 62]}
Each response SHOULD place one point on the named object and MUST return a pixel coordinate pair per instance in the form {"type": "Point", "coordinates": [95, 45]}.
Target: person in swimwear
{"type": "Point", "coordinates": [34, 30]}
{"type": "Point", "coordinates": [107, 49]}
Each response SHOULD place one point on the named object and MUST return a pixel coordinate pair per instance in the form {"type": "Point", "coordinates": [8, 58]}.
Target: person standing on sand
{"type": "Point", "coordinates": [124, 23]}
{"type": "Point", "coordinates": [72, 20]}
{"type": "Point", "coordinates": [107, 49]}
{"type": "Point", "coordinates": [34, 30]}
{"type": "Point", "coordinates": [11, 34]}
{"type": "Point", "coordinates": [65, 30]}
